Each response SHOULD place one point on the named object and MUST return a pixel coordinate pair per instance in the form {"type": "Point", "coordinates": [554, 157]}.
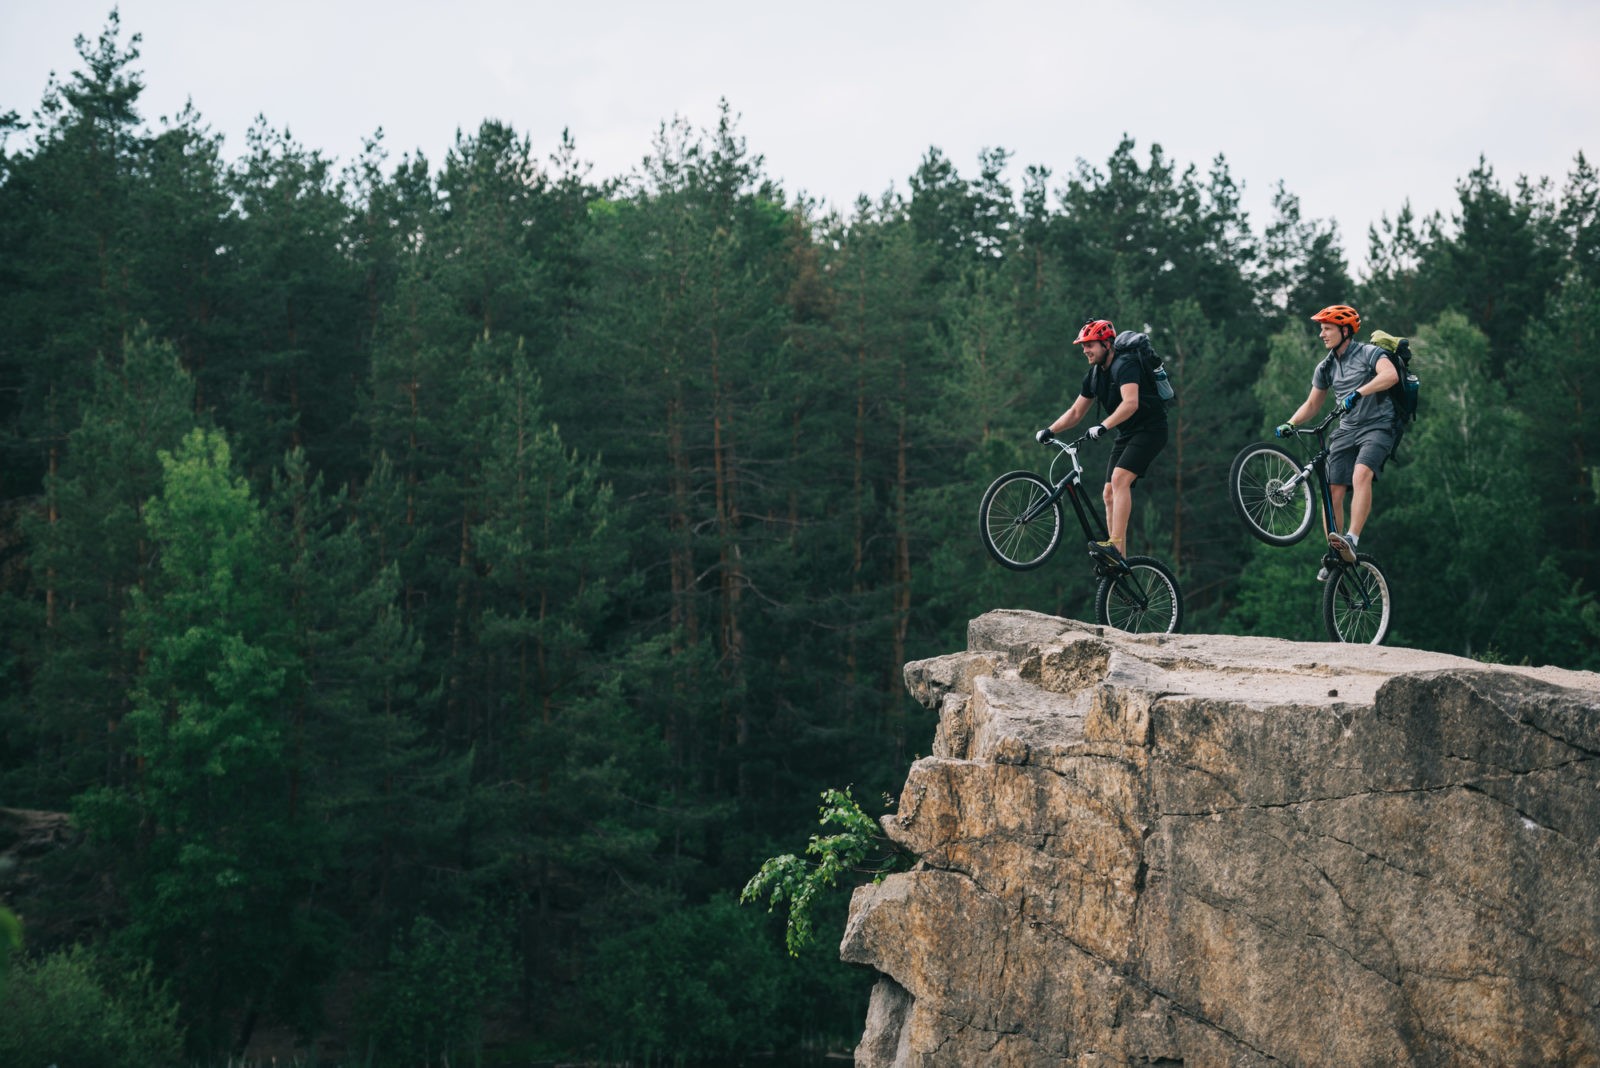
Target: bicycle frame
{"type": "Point", "coordinates": [1071, 484]}
{"type": "Point", "coordinates": [1318, 465]}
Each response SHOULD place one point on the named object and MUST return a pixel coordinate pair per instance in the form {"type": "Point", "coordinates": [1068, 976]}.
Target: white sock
{"type": "Point", "coordinates": [1352, 539]}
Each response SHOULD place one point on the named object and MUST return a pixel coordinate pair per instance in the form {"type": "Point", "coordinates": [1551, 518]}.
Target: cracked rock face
{"type": "Point", "coordinates": [1238, 851]}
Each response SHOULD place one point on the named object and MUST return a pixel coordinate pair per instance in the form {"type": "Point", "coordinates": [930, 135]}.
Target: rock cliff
{"type": "Point", "coordinates": [1207, 850]}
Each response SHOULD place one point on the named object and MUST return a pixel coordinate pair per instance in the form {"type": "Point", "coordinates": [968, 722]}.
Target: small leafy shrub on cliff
{"type": "Point", "coordinates": [68, 1009]}
{"type": "Point", "coordinates": [797, 881]}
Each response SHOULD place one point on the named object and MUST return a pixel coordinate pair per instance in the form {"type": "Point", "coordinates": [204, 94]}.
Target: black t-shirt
{"type": "Point", "coordinates": [1107, 389]}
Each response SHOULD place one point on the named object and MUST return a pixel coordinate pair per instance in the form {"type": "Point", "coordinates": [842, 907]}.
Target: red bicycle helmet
{"type": "Point", "coordinates": [1339, 315]}
{"type": "Point", "coordinates": [1095, 330]}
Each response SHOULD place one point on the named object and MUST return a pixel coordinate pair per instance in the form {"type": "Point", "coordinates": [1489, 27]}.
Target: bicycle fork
{"type": "Point", "coordinates": [1361, 592]}
{"type": "Point", "coordinates": [1041, 506]}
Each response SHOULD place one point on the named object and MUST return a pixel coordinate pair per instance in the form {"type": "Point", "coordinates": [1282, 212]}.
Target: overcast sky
{"type": "Point", "coordinates": [1356, 106]}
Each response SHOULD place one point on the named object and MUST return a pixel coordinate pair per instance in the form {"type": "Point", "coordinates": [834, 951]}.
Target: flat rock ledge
{"type": "Point", "coordinates": [1209, 850]}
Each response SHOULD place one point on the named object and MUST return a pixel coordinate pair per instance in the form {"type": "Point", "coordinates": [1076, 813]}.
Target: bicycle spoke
{"type": "Point", "coordinates": [1140, 600]}
{"type": "Point", "coordinates": [1270, 494]}
{"type": "Point", "coordinates": [1011, 531]}
{"type": "Point", "coordinates": [1018, 521]}
{"type": "Point", "coordinates": [1264, 498]}
{"type": "Point", "coordinates": [1356, 605]}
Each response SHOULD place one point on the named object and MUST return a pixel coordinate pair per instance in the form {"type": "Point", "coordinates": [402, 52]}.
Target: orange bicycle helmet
{"type": "Point", "coordinates": [1095, 330]}
{"type": "Point", "coordinates": [1339, 315]}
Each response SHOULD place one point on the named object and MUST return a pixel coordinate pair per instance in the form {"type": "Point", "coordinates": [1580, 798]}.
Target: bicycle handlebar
{"type": "Point", "coordinates": [1065, 445]}
{"type": "Point", "coordinates": [1320, 427]}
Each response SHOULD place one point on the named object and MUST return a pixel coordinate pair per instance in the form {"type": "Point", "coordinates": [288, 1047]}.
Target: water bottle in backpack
{"type": "Point", "coordinates": [1137, 344]}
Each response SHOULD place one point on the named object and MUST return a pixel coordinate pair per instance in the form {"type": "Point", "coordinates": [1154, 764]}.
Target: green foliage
{"type": "Point", "coordinates": [708, 981]}
{"type": "Point", "coordinates": [1292, 356]}
{"type": "Point", "coordinates": [1556, 381]}
{"type": "Point", "coordinates": [1278, 593]}
{"type": "Point", "coordinates": [70, 1009]}
{"type": "Point", "coordinates": [800, 882]}
{"type": "Point", "coordinates": [436, 987]}
{"type": "Point", "coordinates": [1444, 512]}
{"type": "Point", "coordinates": [89, 552]}
{"type": "Point", "coordinates": [211, 860]}
{"type": "Point", "coordinates": [10, 942]}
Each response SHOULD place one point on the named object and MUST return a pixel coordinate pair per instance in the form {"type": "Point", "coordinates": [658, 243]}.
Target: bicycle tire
{"type": "Point", "coordinates": [1144, 599]}
{"type": "Point", "coordinates": [1019, 545]}
{"type": "Point", "coordinates": [1356, 603]}
{"type": "Point", "coordinates": [1255, 486]}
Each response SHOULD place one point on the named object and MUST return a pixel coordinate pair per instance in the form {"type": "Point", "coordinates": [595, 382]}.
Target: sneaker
{"type": "Point", "coordinates": [1330, 560]}
{"type": "Point", "coordinates": [1106, 548]}
{"type": "Point", "coordinates": [1345, 548]}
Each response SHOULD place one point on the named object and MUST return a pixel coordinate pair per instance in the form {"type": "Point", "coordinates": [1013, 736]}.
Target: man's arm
{"type": "Point", "coordinates": [1312, 405]}
{"type": "Point", "coordinates": [1384, 375]}
{"type": "Point", "coordinates": [1071, 416]}
{"type": "Point", "coordinates": [1127, 409]}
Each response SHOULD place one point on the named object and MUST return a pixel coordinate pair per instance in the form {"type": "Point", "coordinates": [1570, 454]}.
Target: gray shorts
{"type": "Point", "coordinates": [1369, 445]}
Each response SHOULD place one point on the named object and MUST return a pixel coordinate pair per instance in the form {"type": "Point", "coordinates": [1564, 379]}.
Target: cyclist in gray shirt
{"type": "Point", "coordinates": [1357, 374]}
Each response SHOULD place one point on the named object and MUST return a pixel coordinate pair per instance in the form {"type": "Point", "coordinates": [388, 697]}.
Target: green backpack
{"type": "Point", "coordinates": [1403, 394]}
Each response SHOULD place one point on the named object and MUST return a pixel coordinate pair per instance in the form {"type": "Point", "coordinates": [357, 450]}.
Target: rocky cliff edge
{"type": "Point", "coordinates": [1208, 850]}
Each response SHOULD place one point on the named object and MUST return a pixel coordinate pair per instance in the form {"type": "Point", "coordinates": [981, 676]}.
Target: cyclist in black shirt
{"type": "Point", "coordinates": [1132, 406]}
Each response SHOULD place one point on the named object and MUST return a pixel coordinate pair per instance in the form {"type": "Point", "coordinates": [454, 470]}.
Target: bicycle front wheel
{"type": "Point", "coordinates": [1355, 604]}
{"type": "Point", "coordinates": [1017, 527]}
{"type": "Point", "coordinates": [1144, 599]}
{"type": "Point", "coordinates": [1274, 508]}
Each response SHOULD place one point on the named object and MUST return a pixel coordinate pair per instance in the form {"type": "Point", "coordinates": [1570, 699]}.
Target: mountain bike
{"type": "Point", "coordinates": [1271, 492]}
{"type": "Point", "coordinates": [1021, 520]}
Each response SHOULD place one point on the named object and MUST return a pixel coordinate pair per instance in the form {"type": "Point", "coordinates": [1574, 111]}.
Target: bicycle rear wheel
{"type": "Point", "coordinates": [1272, 510]}
{"type": "Point", "coordinates": [1144, 599]}
{"type": "Point", "coordinates": [1355, 604]}
{"type": "Point", "coordinates": [1011, 531]}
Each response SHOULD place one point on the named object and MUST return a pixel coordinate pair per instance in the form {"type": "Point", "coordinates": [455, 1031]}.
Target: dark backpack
{"type": "Point", "coordinates": [1133, 343]}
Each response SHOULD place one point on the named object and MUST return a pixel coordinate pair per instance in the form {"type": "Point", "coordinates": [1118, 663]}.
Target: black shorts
{"type": "Point", "coordinates": [1370, 446]}
{"type": "Point", "coordinates": [1135, 451]}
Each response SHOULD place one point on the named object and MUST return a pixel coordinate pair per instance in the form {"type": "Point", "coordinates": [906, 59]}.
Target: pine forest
{"type": "Point", "coordinates": [432, 587]}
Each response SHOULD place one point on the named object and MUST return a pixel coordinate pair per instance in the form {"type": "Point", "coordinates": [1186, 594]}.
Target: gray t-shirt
{"type": "Point", "coordinates": [1340, 374]}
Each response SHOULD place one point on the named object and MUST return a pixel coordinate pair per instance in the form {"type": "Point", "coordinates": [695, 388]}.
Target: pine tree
{"type": "Point", "coordinates": [89, 551]}
{"type": "Point", "coordinates": [1579, 219]}
{"type": "Point", "coordinates": [1445, 513]}
{"type": "Point", "coordinates": [1303, 267]}
{"type": "Point", "coordinates": [296, 358]}
{"type": "Point", "coordinates": [65, 248]}
{"type": "Point", "coordinates": [358, 760]}
{"type": "Point", "coordinates": [1497, 259]}
{"type": "Point", "coordinates": [1557, 385]}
